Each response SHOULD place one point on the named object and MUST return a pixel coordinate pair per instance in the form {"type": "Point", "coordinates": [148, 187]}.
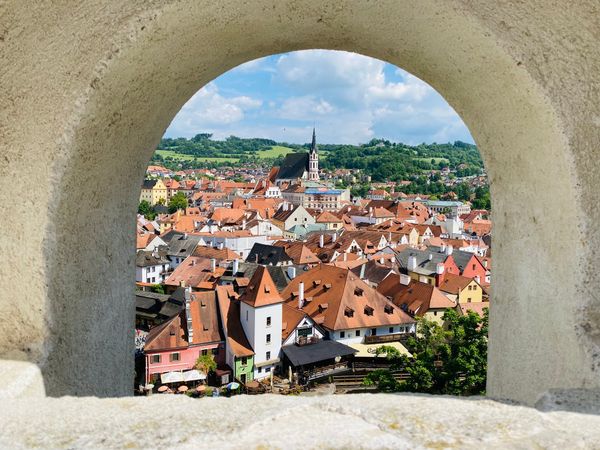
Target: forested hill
{"type": "Point", "coordinates": [382, 159]}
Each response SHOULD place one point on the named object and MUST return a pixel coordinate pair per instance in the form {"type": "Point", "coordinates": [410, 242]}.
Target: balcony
{"type": "Point", "coordinates": [387, 338]}
{"type": "Point", "coordinates": [306, 340]}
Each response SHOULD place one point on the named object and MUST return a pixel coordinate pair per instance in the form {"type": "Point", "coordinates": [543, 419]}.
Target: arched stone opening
{"type": "Point", "coordinates": [109, 94]}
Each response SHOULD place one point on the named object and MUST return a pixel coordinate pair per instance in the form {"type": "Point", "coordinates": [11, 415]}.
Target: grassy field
{"type": "Point", "coordinates": [274, 152]}
{"type": "Point", "coordinates": [437, 160]}
{"type": "Point", "coordinates": [182, 157]}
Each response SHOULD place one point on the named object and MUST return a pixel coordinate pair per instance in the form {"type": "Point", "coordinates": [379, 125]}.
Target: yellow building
{"type": "Point", "coordinates": [153, 191]}
{"type": "Point", "coordinates": [461, 289]}
{"type": "Point", "coordinates": [332, 222]}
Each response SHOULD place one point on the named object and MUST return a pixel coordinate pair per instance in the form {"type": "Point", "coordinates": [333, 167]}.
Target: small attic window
{"type": "Point", "coordinates": [327, 286]}
{"type": "Point", "coordinates": [358, 292]}
{"type": "Point", "coordinates": [323, 306]}
{"type": "Point", "coordinates": [316, 282]}
{"type": "Point", "coordinates": [389, 309]}
{"type": "Point", "coordinates": [349, 312]}
{"type": "Point", "coordinates": [368, 310]}
{"type": "Point", "coordinates": [267, 289]}
{"type": "Point", "coordinates": [203, 304]}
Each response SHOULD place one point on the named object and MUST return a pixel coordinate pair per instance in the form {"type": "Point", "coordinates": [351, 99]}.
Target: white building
{"type": "Point", "coordinates": [240, 242]}
{"type": "Point", "coordinates": [261, 318]}
{"type": "Point", "coordinates": [151, 266]}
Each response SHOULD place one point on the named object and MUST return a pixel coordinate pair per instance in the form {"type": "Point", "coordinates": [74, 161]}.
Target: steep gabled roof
{"type": "Point", "coordinates": [299, 252]}
{"type": "Point", "coordinates": [294, 165]}
{"type": "Point", "coordinates": [417, 297]}
{"type": "Point", "coordinates": [339, 300]}
{"type": "Point", "coordinates": [268, 255]}
{"type": "Point", "coordinates": [453, 284]}
{"type": "Point", "coordinates": [229, 309]}
{"type": "Point", "coordinates": [261, 290]}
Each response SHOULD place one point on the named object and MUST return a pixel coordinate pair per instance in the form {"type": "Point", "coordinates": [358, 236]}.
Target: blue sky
{"type": "Point", "coordinates": [350, 99]}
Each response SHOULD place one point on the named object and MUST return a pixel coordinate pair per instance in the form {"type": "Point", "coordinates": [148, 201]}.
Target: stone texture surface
{"type": "Point", "coordinates": [351, 421]}
{"type": "Point", "coordinates": [87, 89]}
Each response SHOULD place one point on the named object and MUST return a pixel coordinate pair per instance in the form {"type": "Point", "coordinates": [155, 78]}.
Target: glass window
{"type": "Point", "coordinates": [204, 352]}
{"type": "Point", "coordinates": [269, 321]}
{"type": "Point", "coordinates": [268, 356]}
{"type": "Point", "coordinates": [342, 334]}
{"type": "Point", "coordinates": [268, 338]}
{"type": "Point", "coordinates": [391, 330]}
{"type": "Point", "coordinates": [357, 333]}
{"type": "Point", "coordinates": [155, 359]}
{"type": "Point", "coordinates": [244, 361]}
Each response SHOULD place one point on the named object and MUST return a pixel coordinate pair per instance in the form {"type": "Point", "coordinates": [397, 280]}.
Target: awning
{"type": "Point", "coordinates": [171, 377]}
{"type": "Point", "coordinates": [370, 350]}
{"type": "Point", "coordinates": [313, 353]}
{"type": "Point", "coordinates": [193, 375]}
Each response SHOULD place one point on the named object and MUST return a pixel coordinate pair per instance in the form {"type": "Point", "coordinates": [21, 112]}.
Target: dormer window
{"type": "Point", "coordinates": [316, 282]}
{"type": "Point", "coordinates": [358, 292]}
{"type": "Point", "coordinates": [368, 310]}
{"type": "Point", "coordinates": [323, 306]}
{"type": "Point", "coordinates": [267, 289]}
{"type": "Point", "coordinates": [389, 309]}
{"type": "Point", "coordinates": [327, 286]}
{"type": "Point", "coordinates": [349, 312]}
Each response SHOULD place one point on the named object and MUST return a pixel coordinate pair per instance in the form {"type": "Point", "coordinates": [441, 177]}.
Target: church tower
{"type": "Point", "coordinates": [313, 160]}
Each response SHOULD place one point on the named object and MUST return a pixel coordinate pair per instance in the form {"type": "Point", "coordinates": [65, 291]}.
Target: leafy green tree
{"type": "Point", "coordinates": [178, 201]}
{"type": "Point", "coordinates": [205, 364]}
{"type": "Point", "coordinates": [446, 360]}
{"type": "Point", "coordinates": [146, 210]}
{"type": "Point", "coordinates": [157, 288]}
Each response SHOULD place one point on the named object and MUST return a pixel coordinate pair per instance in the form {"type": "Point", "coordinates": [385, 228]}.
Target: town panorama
{"type": "Point", "coordinates": [269, 267]}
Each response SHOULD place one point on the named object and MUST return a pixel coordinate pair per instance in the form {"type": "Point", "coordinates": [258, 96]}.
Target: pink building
{"type": "Point", "coordinates": [175, 345]}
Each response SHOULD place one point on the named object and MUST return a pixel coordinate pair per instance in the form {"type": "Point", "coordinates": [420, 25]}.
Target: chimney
{"type": "Point", "coordinates": [291, 271]}
{"type": "Point", "coordinates": [193, 262]}
{"type": "Point", "coordinates": [185, 236]}
{"type": "Point", "coordinates": [485, 263]}
{"type": "Point", "coordinates": [439, 269]}
{"type": "Point", "coordinates": [430, 256]}
{"type": "Point", "coordinates": [412, 262]}
{"type": "Point", "coordinates": [236, 266]}
{"type": "Point", "coordinates": [213, 265]}
{"type": "Point", "coordinates": [404, 279]}
{"type": "Point", "coordinates": [478, 279]}
{"type": "Point", "coordinates": [362, 271]}
{"type": "Point", "coordinates": [244, 224]}
{"type": "Point", "coordinates": [449, 250]}
{"type": "Point", "coordinates": [300, 295]}
{"type": "Point", "coordinates": [382, 260]}
{"type": "Point", "coordinates": [221, 245]}
{"type": "Point", "coordinates": [321, 241]}
{"type": "Point", "coordinates": [334, 237]}
{"type": "Point", "coordinates": [188, 313]}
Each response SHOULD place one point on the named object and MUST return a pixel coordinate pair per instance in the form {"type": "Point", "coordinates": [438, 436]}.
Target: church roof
{"type": "Point", "coordinates": [294, 165]}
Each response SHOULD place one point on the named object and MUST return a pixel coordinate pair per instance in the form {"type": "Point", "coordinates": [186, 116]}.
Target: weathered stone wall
{"type": "Point", "coordinates": [88, 88]}
{"type": "Point", "coordinates": [356, 421]}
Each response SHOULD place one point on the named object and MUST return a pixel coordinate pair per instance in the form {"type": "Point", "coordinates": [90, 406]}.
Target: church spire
{"type": "Point", "coordinates": [313, 159]}
{"type": "Point", "coordinates": [313, 146]}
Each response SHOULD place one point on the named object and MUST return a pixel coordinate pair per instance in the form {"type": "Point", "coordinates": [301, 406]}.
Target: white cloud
{"type": "Point", "coordinates": [304, 108]}
{"type": "Point", "coordinates": [207, 108]}
{"type": "Point", "coordinates": [351, 98]}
